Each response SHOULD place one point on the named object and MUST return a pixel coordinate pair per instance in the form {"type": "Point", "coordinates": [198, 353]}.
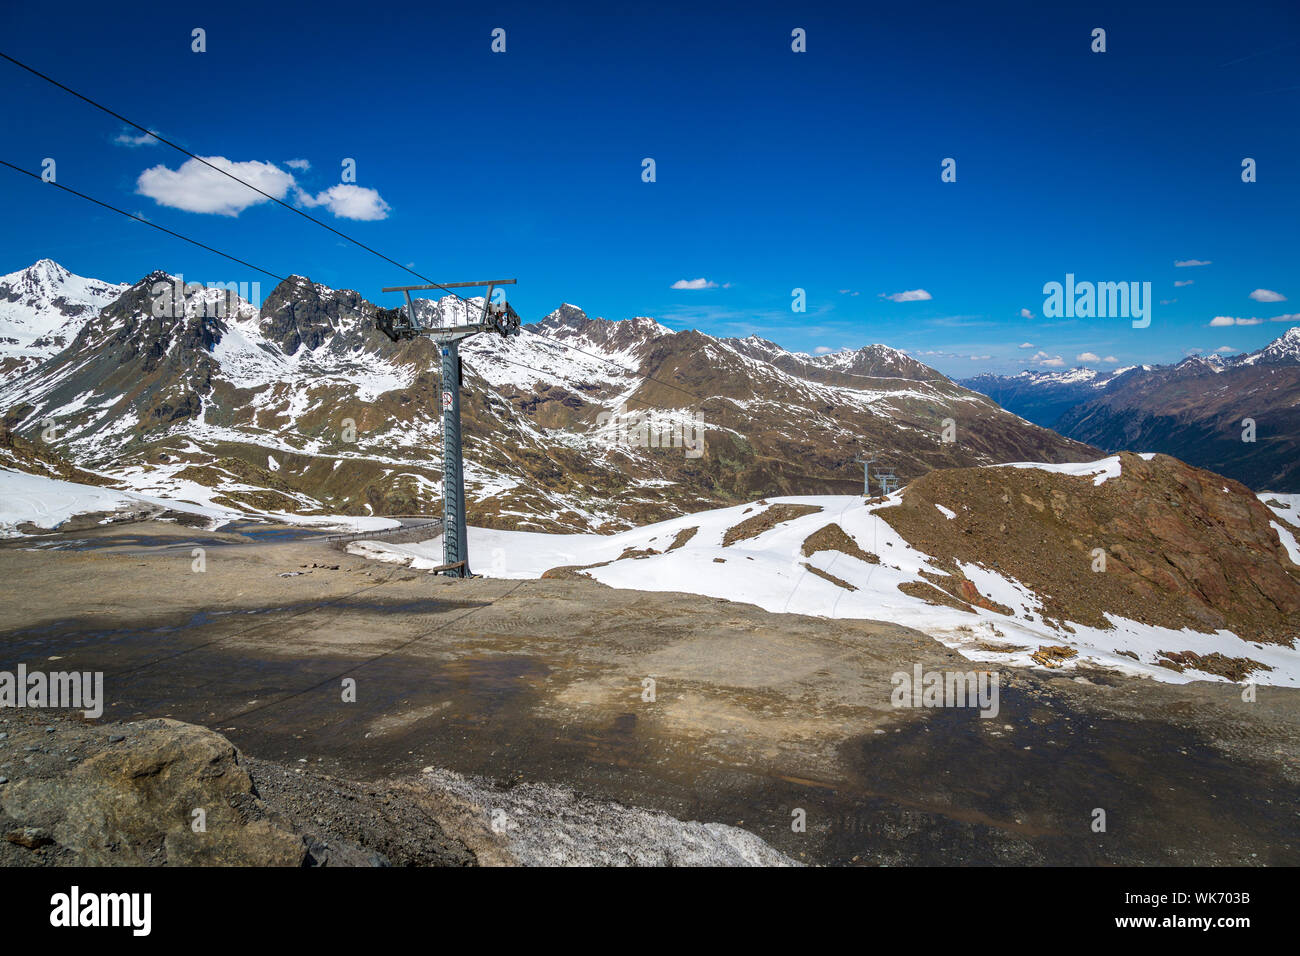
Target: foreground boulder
{"type": "Point", "coordinates": [135, 800]}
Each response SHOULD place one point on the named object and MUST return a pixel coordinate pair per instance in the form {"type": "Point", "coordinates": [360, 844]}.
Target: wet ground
{"type": "Point", "coordinates": [755, 717]}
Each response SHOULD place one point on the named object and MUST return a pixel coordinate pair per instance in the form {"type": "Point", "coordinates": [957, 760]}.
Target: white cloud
{"type": "Point", "coordinates": [1026, 314]}
{"type": "Point", "coordinates": [196, 188]}
{"type": "Point", "coordinates": [301, 164]}
{"type": "Point", "coordinates": [1042, 358]}
{"type": "Point", "coordinates": [1223, 349]}
{"type": "Point", "coordinates": [129, 137]}
{"type": "Point", "coordinates": [1026, 345]}
{"type": "Point", "coordinates": [912, 295]}
{"type": "Point", "coordinates": [693, 284]}
{"type": "Point", "coordinates": [823, 350]}
{"type": "Point", "coordinates": [1267, 295]}
{"type": "Point", "coordinates": [1111, 359]}
{"type": "Point", "coordinates": [1220, 320]}
{"type": "Point", "coordinates": [1087, 357]}
{"type": "Point", "coordinates": [1054, 361]}
{"type": "Point", "coordinates": [1168, 301]}
{"type": "Point", "coordinates": [1179, 283]}
{"type": "Point", "coordinates": [980, 358]}
{"type": "Point", "coordinates": [1184, 263]}
{"type": "Point", "coordinates": [349, 202]}
{"type": "Point", "coordinates": [1289, 317]}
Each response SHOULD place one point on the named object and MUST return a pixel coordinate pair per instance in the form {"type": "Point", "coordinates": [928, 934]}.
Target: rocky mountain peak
{"type": "Point", "coordinates": [300, 314]}
{"type": "Point", "coordinates": [571, 322]}
{"type": "Point", "coordinates": [566, 316]}
{"type": "Point", "coordinates": [1284, 350]}
{"type": "Point", "coordinates": [46, 272]}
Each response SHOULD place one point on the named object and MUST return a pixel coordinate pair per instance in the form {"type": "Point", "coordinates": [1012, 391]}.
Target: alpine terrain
{"type": "Point", "coordinates": [1238, 415]}
{"type": "Point", "coordinates": [577, 424]}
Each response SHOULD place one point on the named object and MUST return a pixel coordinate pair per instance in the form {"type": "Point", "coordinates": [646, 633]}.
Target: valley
{"type": "Point", "coordinates": [1234, 414]}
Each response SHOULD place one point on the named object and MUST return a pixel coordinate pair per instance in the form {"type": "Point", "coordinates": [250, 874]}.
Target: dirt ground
{"type": "Point", "coordinates": [754, 716]}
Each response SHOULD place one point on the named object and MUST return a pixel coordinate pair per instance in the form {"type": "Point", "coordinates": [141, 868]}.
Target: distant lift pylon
{"type": "Point", "coordinates": [403, 323]}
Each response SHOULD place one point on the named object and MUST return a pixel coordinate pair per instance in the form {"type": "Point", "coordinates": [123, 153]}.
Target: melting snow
{"type": "Point", "coordinates": [769, 571]}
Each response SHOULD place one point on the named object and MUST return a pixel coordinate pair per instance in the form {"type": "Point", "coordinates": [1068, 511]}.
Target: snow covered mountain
{"type": "Point", "coordinates": [42, 308]}
{"type": "Point", "coordinates": [1284, 350]}
{"type": "Point", "coordinates": [1043, 397]}
{"type": "Point", "coordinates": [577, 424]}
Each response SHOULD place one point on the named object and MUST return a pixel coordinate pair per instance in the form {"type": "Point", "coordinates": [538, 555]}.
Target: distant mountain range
{"type": "Point", "coordinates": [1195, 410]}
{"type": "Point", "coordinates": [301, 405]}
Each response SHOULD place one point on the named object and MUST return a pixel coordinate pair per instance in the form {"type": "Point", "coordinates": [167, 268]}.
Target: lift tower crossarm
{"type": "Point", "coordinates": [447, 285]}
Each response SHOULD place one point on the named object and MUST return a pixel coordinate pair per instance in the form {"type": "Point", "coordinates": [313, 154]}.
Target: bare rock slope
{"type": "Point", "coordinates": [1183, 547]}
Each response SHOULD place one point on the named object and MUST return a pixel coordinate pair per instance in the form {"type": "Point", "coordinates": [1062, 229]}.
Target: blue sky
{"type": "Point", "coordinates": [775, 170]}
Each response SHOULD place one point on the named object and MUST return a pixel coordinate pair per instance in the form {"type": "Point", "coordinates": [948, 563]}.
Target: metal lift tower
{"type": "Point", "coordinates": [866, 464]}
{"type": "Point", "coordinates": [400, 324]}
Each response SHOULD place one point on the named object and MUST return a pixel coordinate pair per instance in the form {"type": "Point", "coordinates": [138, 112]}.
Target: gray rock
{"type": "Point", "coordinates": [133, 805]}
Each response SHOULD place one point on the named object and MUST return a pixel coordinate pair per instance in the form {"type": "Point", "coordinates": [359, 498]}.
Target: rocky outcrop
{"type": "Point", "coordinates": [157, 792]}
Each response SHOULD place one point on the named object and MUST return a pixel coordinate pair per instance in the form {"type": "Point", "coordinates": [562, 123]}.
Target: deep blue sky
{"type": "Point", "coordinates": [775, 170]}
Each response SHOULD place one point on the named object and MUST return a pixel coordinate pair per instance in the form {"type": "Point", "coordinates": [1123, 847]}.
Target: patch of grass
{"type": "Point", "coordinates": [932, 595]}
{"type": "Point", "coordinates": [833, 538]}
{"type": "Point", "coordinates": [765, 521]}
{"type": "Point", "coordinates": [1233, 668]}
{"type": "Point", "coordinates": [826, 575]}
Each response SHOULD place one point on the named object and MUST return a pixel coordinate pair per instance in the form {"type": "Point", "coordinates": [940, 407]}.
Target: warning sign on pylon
{"type": "Point", "coordinates": [446, 399]}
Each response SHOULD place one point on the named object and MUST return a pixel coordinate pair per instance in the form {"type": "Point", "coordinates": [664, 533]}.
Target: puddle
{"type": "Point", "coordinates": [117, 540]}
{"type": "Point", "coordinates": [36, 643]}
{"type": "Point", "coordinates": [259, 531]}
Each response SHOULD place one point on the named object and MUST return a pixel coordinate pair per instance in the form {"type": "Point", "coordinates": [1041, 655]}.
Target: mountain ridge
{"type": "Point", "coordinates": [1237, 415]}
{"type": "Point", "coordinates": [201, 400]}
